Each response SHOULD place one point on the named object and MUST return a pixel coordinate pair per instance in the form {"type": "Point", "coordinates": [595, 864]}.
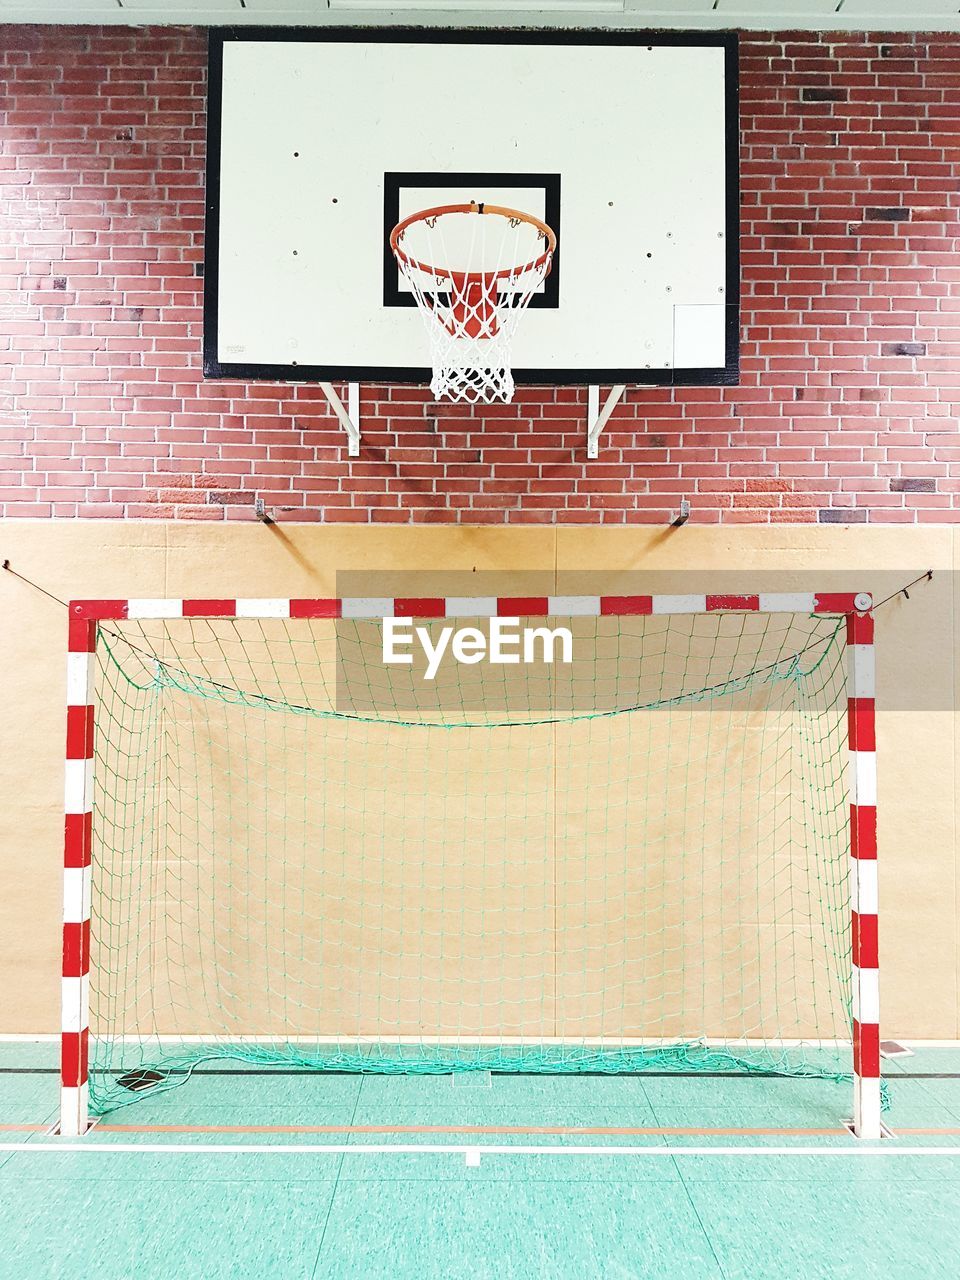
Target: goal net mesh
{"type": "Point", "coordinates": [305, 856]}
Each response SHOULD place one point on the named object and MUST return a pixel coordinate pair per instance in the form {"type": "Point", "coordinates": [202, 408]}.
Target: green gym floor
{"type": "Point", "coordinates": [433, 1177]}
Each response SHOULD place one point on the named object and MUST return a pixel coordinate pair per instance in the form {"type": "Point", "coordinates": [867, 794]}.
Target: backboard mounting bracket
{"type": "Point", "coordinates": [349, 417]}
{"type": "Point", "coordinates": [598, 418]}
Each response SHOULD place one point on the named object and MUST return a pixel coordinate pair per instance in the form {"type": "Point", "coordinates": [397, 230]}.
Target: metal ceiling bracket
{"type": "Point", "coordinates": [348, 417]}
{"type": "Point", "coordinates": [598, 418]}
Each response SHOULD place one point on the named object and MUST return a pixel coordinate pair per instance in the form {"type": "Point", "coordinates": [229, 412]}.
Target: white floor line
{"type": "Point", "coordinates": [365, 1149]}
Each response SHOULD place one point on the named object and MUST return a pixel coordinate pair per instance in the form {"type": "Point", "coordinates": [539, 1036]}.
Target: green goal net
{"type": "Point", "coordinates": [633, 859]}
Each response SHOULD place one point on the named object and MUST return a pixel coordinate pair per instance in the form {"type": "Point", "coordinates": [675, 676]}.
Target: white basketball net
{"type": "Point", "coordinates": [473, 275]}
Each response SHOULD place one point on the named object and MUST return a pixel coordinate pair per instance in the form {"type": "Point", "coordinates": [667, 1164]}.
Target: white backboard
{"type": "Point", "coordinates": [320, 140]}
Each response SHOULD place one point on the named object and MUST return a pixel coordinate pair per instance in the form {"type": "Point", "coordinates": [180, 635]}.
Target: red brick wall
{"type": "Point", "coordinates": [851, 319]}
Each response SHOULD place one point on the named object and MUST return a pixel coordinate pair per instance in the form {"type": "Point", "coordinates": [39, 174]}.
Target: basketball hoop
{"type": "Point", "coordinates": [473, 269]}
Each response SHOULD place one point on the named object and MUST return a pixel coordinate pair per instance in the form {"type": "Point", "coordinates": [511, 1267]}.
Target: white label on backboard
{"type": "Point", "coordinates": [698, 334]}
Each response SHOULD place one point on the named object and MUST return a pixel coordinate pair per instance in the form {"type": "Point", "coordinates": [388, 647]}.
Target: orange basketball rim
{"type": "Point", "coordinates": [475, 294]}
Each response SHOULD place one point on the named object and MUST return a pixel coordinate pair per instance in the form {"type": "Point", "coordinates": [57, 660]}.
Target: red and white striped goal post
{"type": "Point", "coordinates": [85, 616]}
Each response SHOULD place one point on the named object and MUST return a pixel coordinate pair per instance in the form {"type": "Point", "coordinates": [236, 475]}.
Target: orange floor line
{"type": "Point", "coordinates": [592, 1130]}
{"type": "Point", "coordinates": [935, 1132]}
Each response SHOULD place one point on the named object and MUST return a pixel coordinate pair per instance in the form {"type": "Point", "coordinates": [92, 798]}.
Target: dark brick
{"type": "Point", "coordinates": [60, 282]}
{"type": "Point", "coordinates": [907, 52]}
{"type": "Point", "coordinates": [841, 515]}
{"type": "Point", "coordinates": [896, 213]}
{"type": "Point", "coordinates": [823, 95]}
{"type": "Point", "coordinates": [903, 349]}
{"type": "Point", "coordinates": [228, 498]}
{"type": "Point", "coordinates": [915, 484]}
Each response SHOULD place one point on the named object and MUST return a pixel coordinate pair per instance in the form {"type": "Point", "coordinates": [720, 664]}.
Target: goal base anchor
{"type": "Point", "coordinates": [885, 1131]}
{"type": "Point", "coordinates": [55, 1130]}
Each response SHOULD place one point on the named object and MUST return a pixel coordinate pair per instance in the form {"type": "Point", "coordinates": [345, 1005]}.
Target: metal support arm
{"type": "Point", "coordinates": [349, 417]}
{"type": "Point", "coordinates": [598, 418]}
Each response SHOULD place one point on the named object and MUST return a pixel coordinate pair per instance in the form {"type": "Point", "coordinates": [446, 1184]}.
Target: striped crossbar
{"type": "Point", "coordinates": [471, 606]}
{"type": "Point", "coordinates": [78, 792]}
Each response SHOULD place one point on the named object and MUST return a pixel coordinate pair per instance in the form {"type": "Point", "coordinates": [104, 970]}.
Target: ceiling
{"type": "Point", "coordinates": [825, 15]}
